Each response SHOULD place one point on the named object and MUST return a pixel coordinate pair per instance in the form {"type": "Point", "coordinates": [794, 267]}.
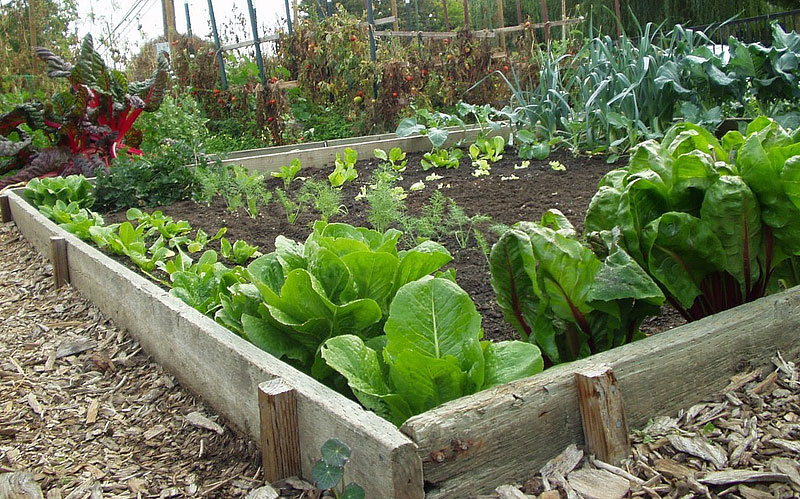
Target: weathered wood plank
{"type": "Point", "coordinates": [58, 255]}
{"type": "Point", "coordinates": [5, 209]}
{"type": "Point", "coordinates": [225, 370]}
{"type": "Point", "coordinates": [602, 414]}
{"type": "Point", "coordinates": [323, 157]}
{"type": "Point", "coordinates": [513, 429]}
{"type": "Point", "coordinates": [280, 445]}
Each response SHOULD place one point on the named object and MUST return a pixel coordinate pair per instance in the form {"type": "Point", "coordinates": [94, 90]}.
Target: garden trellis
{"type": "Point", "coordinates": [488, 32]}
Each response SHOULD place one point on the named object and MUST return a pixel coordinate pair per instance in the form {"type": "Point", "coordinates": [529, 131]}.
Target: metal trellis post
{"type": "Point", "coordinates": [223, 78]}
{"type": "Point", "coordinates": [257, 43]}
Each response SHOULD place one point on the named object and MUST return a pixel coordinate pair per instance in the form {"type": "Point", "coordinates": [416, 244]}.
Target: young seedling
{"type": "Point", "coordinates": [288, 173]}
{"type": "Point", "coordinates": [345, 170]}
{"type": "Point", "coordinates": [396, 158]}
{"type": "Point", "coordinates": [329, 471]}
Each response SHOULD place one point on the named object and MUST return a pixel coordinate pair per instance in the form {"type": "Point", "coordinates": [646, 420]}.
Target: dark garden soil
{"type": "Point", "coordinates": [537, 188]}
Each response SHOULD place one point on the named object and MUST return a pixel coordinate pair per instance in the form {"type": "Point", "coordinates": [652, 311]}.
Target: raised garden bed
{"type": "Point", "coordinates": [461, 448]}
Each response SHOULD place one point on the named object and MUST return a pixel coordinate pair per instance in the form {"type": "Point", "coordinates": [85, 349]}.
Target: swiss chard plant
{"type": "Point", "coordinates": [431, 353]}
{"type": "Point", "coordinates": [715, 223]}
{"type": "Point", "coordinates": [432, 124]}
{"type": "Point", "coordinates": [87, 123]}
{"type": "Point", "coordinates": [561, 296]}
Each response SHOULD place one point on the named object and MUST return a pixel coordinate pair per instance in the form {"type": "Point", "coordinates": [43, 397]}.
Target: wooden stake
{"type": "Point", "coordinates": [5, 210]}
{"type": "Point", "coordinates": [502, 23]}
{"type": "Point", "coordinates": [280, 443]}
{"type": "Point", "coordinates": [466, 14]}
{"type": "Point", "coordinates": [296, 15]}
{"type": "Point", "coordinates": [619, 18]}
{"type": "Point", "coordinates": [58, 255]}
{"type": "Point", "coordinates": [563, 17]}
{"type": "Point", "coordinates": [546, 22]}
{"type": "Point", "coordinates": [394, 13]}
{"type": "Point", "coordinates": [603, 414]}
{"type": "Point", "coordinates": [446, 17]}
{"type": "Point", "coordinates": [519, 13]}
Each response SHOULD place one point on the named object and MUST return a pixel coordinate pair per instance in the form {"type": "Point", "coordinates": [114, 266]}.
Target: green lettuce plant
{"type": "Point", "coordinates": [431, 353]}
{"type": "Point", "coordinates": [340, 281]}
{"type": "Point", "coordinates": [288, 172]}
{"type": "Point", "coordinates": [441, 158]}
{"type": "Point", "coordinates": [715, 223]}
{"type": "Point", "coordinates": [395, 158]}
{"type": "Point", "coordinates": [345, 169]}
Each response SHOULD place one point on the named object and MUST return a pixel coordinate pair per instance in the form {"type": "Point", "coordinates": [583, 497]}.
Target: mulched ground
{"type": "Point", "coordinates": [91, 415]}
{"type": "Point", "coordinates": [537, 188]}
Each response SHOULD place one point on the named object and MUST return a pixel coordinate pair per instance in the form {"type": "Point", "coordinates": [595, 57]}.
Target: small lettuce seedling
{"type": "Point", "coordinates": [329, 471]}
{"type": "Point", "coordinates": [396, 158]}
{"type": "Point", "coordinates": [345, 170]}
{"type": "Point", "coordinates": [488, 149]}
{"type": "Point", "coordinates": [288, 172]}
{"type": "Point", "coordinates": [441, 158]}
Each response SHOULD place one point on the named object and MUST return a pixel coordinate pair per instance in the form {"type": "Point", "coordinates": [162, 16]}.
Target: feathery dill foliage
{"type": "Point", "coordinates": [324, 198]}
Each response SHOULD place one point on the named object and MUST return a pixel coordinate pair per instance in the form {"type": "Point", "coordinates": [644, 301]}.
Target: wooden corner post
{"type": "Point", "coordinates": [603, 414]}
{"type": "Point", "coordinates": [58, 255]}
{"type": "Point", "coordinates": [5, 209]}
{"type": "Point", "coordinates": [280, 442]}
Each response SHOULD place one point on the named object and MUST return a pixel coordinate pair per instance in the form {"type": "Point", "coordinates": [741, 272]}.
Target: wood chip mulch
{"type": "Point", "coordinates": [90, 415]}
{"type": "Point", "coordinates": [745, 444]}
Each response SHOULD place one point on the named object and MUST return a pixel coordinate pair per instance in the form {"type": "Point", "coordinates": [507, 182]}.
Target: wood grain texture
{"type": "Point", "coordinates": [5, 210]}
{"type": "Point", "coordinates": [58, 256]}
{"type": "Point", "coordinates": [602, 414]}
{"type": "Point", "coordinates": [266, 160]}
{"type": "Point", "coordinates": [280, 444]}
{"type": "Point", "coordinates": [225, 370]}
{"type": "Point", "coordinates": [510, 431]}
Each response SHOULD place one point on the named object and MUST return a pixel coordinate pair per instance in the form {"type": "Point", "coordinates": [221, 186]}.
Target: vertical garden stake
{"type": "Point", "coordinates": [257, 45]}
{"type": "Point", "coordinates": [546, 22]}
{"type": "Point", "coordinates": [372, 55]}
{"type": "Point", "coordinates": [58, 255]}
{"type": "Point", "coordinates": [5, 209]}
{"type": "Point", "coordinates": [223, 78]}
{"type": "Point", "coordinates": [619, 18]}
{"type": "Point", "coordinates": [466, 14]}
{"type": "Point", "coordinates": [446, 18]}
{"type": "Point", "coordinates": [280, 442]}
{"type": "Point", "coordinates": [603, 414]}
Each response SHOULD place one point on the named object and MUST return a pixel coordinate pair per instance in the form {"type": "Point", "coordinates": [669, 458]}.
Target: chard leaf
{"type": "Point", "coordinates": [513, 287]}
{"type": "Point", "coordinates": [622, 278]}
{"type": "Point", "coordinates": [732, 211]}
{"type": "Point", "coordinates": [681, 250]}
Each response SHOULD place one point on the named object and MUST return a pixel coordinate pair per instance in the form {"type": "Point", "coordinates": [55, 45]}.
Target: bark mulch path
{"type": "Point", "coordinates": [90, 414]}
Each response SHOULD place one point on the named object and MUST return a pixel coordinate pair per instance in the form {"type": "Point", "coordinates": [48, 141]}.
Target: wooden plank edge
{"type": "Point", "coordinates": [323, 157]}
{"type": "Point", "coordinates": [182, 346]}
{"type": "Point", "coordinates": [515, 428]}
